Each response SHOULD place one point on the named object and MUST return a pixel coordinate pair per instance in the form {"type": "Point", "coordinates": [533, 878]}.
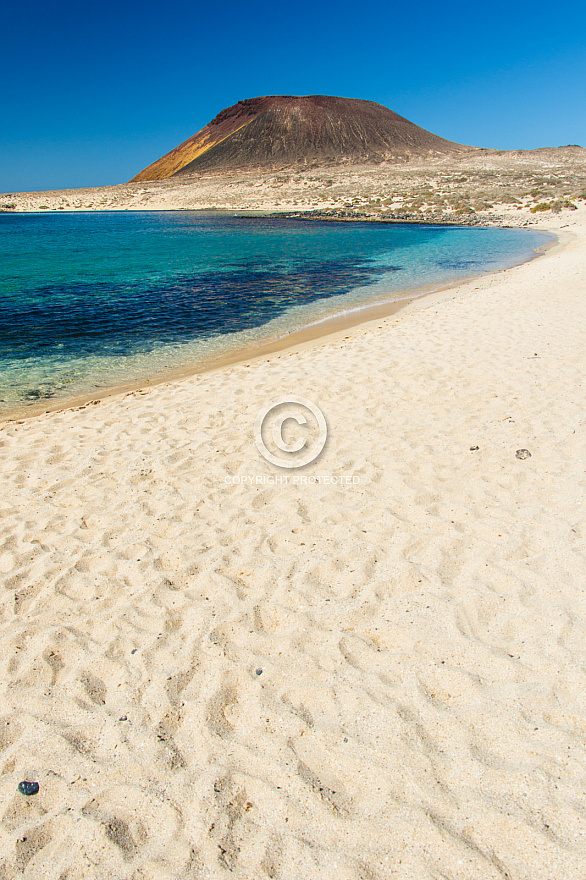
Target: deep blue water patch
{"type": "Point", "coordinates": [91, 300]}
{"type": "Point", "coordinates": [107, 319]}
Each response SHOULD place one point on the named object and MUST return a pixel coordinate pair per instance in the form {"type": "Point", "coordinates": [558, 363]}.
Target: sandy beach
{"type": "Point", "coordinates": [378, 674]}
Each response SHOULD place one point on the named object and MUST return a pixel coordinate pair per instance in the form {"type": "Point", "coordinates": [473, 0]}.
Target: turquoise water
{"type": "Point", "coordinates": [91, 301]}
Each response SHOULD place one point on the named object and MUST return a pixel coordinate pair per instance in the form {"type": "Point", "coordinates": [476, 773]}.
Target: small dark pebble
{"type": "Point", "coordinates": [134, 650]}
{"type": "Point", "coordinates": [124, 718]}
{"type": "Point", "coordinates": [522, 453]}
{"type": "Point", "coordinates": [259, 671]}
{"type": "Point", "coordinates": [474, 448]}
{"type": "Point", "coordinates": [28, 788]}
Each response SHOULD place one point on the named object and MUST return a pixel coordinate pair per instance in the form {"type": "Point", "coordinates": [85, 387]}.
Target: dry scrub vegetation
{"type": "Point", "coordinates": [483, 187]}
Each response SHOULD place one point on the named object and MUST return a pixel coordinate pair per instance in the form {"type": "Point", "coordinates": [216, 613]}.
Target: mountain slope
{"type": "Point", "coordinates": [282, 130]}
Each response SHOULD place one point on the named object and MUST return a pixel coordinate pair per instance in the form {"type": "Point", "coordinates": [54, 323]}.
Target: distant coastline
{"type": "Point", "coordinates": [486, 188]}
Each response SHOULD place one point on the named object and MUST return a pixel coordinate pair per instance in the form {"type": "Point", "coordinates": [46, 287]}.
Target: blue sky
{"type": "Point", "coordinates": [92, 93]}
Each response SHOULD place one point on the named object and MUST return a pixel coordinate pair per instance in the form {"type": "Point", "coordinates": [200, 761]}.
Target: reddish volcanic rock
{"type": "Point", "coordinates": [285, 130]}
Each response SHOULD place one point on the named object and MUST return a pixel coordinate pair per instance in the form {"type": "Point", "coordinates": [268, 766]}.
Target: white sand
{"type": "Point", "coordinates": [421, 711]}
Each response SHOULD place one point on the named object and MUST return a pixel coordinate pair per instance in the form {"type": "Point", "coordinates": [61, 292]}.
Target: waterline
{"type": "Point", "coordinates": [115, 302]}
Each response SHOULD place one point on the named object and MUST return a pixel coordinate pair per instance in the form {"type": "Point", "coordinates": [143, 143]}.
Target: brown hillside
{"type": "Point", "coordinates": [285, 130]}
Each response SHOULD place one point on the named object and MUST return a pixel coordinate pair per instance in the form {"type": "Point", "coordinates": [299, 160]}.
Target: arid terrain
{"type": "Point", "coordinates": [278, 130]}
{"type": "Point", "coordinates": [489, 187]}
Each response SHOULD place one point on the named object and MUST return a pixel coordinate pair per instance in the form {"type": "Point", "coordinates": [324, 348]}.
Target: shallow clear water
{"type": "Point", "coordinates": [89, 301]}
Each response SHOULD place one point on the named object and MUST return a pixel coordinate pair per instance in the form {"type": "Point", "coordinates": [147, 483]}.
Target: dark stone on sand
{"type": "Point", "coordinates": [28, 788]}
{"type": "Point", "coordinates": [522, 454]}
{"type": "Point", "coordinates": [474, 448]}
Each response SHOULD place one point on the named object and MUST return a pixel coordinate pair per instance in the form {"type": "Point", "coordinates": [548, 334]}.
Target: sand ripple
{"type": "Point", "coordinates": [374, 681]}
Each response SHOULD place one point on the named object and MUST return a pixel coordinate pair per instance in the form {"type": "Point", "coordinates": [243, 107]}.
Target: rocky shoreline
{"type": "Point", "coordinates": [521, 188]}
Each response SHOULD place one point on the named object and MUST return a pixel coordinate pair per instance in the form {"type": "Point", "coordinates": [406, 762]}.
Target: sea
{"type": "Point", "coordinates": [96, 301]}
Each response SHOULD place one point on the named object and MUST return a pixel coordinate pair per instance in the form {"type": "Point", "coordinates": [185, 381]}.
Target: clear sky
{"type": "Point", "coordinates": [90, 93]}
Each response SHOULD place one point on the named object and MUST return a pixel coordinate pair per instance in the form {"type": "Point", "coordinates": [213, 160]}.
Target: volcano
{"type": "Point", "coordinates": [288, 131]}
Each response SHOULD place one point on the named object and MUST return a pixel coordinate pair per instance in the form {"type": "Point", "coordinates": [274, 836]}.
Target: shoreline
{"type": "Point", "coordinates": [318, 332]}
{"type": "Point", "coordinates": [488, 187]}
{"type": "Point", "coordinates": [209, 671]}
{"type": "Point", "coordinates": [335, 216]}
